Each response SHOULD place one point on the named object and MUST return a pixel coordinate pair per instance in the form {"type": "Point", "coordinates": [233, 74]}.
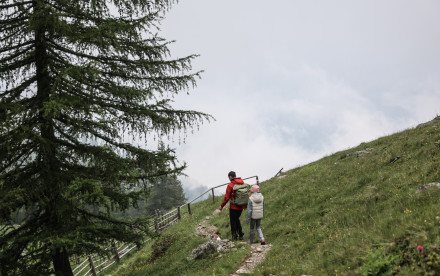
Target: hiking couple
{"type": "Point", "coordinates": [237, 193]}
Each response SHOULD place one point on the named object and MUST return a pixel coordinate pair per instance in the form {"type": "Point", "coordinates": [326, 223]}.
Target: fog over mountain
{"type": "Point", "coordinates": [291, 81]}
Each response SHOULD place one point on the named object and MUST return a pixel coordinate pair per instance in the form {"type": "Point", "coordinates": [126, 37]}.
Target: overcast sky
{"type": "Point", "coordinates": [292, 81]}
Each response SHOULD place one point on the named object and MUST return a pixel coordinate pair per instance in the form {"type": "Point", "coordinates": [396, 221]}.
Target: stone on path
{"type": "Point", "coordinates": [205, 250]}
{"type": "Point", "coordinates": [427, 186]}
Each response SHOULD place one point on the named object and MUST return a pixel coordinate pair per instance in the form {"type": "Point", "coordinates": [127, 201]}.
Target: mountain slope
{"type": "Point", "coordinates": [353, 212]}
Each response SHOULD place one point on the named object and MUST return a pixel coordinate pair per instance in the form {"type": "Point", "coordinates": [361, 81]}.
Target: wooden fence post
{"type": "Point", "coordinates": [213, 199]}
{"type": "Point", "coordinates": [189, 208]}
{"type": "Point", "coordinates": [92, 266]}
{"type": "Point", "coordinates": [179, 217]}
{"type": "Point", "coordinates": [156, 226]}
{"type": "Point", "coordinates": [115, 251]}
{"type": "Point", "coordinates": [78, 260]}
{"type": "Point", "coordinates": [138, 245]}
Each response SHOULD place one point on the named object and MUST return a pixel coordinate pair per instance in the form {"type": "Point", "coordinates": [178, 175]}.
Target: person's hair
{"type": "Point", "coordinates": [232, 174]}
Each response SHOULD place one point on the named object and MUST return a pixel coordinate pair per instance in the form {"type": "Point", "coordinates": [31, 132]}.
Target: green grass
{"type": "Point", "coordinates": [174, 261]}
{"type": "Point", "coordinates": [342, 215]}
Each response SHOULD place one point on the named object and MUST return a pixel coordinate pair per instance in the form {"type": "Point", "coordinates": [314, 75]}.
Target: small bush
{"type": "Point", "coordinates": [161, 246]}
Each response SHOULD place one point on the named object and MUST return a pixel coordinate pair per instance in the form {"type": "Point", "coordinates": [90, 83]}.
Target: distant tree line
{"type": "Point", "coordinates": [164, 195]}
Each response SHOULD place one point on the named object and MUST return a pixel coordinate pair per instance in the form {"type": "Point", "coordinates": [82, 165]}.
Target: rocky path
{"type": "Point", "coordinates": [207, 232]}
{"type": "Point", "coordinates": [258, 252]}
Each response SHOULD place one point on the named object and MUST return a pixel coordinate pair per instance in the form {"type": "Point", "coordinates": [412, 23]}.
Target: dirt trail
{"type": "Point", "coordinates": [258, 251]}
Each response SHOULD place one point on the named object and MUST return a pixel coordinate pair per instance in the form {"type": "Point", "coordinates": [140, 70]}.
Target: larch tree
{"type": "Point", "coordinates": [76, 79]}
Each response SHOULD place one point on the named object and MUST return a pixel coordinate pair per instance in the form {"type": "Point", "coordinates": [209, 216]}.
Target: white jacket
{"type": "Point", "coordinates": [257, 207]}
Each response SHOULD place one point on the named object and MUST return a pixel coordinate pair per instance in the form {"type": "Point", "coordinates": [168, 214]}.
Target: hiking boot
{"type": "Point", "coordinates": [263, 242]}
{"type": "Point", "coordinates": [240, 238]}
{"type": "Point", "coordinates": [234, 238]}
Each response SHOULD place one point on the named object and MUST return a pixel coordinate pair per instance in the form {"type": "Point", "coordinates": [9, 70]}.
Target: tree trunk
{"type": "Point", "coordinates": [48, 163]}
{"type": "Point", "coordinates": [61, 263]}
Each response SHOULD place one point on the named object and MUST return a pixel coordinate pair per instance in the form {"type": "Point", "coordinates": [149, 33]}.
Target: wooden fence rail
{"type": "Point", "coordinates": [279, 172]}
{"type": "Point", "coordinates": [94, 264]}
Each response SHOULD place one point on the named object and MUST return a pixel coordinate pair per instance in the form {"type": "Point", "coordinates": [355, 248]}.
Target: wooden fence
{"type": "Point", "coordinates": [95, 264]}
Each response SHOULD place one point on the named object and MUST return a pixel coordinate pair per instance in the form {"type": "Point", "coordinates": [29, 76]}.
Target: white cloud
{"type": "Point", "coordinates": [293, 81]}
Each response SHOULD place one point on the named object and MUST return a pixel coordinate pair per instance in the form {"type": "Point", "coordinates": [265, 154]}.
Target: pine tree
{"type": "Point", "coordinates": [77, 78]}
{"type": "Point", "coordinates": [166, 194]}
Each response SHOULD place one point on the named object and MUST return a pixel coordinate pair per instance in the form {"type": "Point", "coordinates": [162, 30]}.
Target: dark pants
{"type": "Point", "coordinates": [234, 216]}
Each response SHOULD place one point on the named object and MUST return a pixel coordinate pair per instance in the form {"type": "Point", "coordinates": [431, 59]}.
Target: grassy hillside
{"type": "Point", "coordinates": [356, 212]}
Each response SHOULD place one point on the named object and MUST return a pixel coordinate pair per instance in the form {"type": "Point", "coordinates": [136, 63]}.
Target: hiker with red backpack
{"type": "Point", "coordinates": [238, 193]}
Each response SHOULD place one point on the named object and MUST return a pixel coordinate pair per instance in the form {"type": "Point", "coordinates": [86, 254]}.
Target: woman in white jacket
{"type": "Point", "coordinates": [255, 210]}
